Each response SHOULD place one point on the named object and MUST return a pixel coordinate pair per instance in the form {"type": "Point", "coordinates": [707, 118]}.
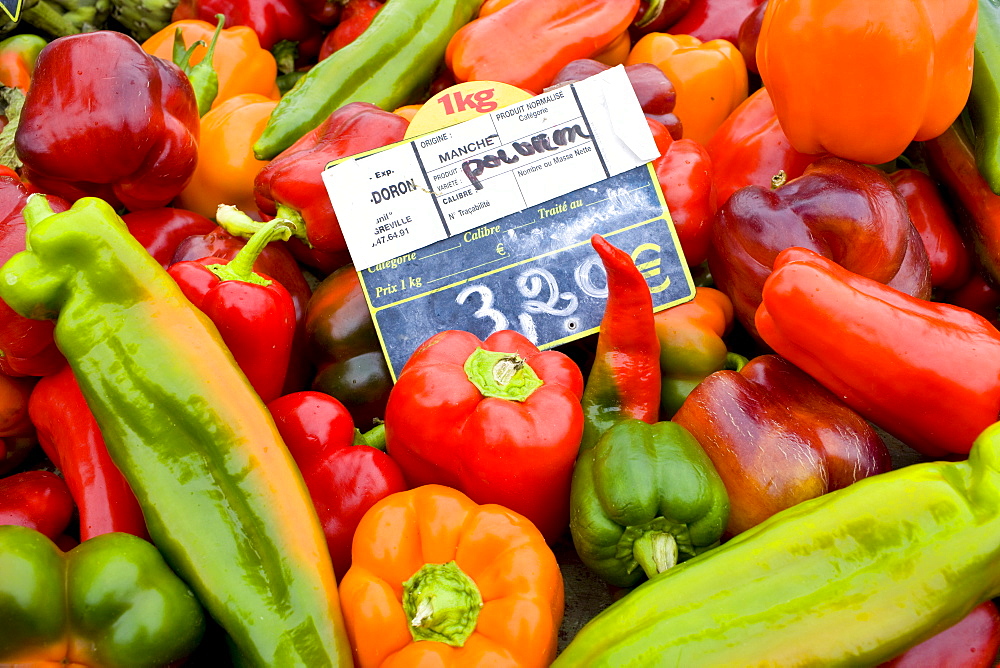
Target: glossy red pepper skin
{"type": "Point", "coordinates": [685, 173]}
{"type": "Point", "coordinates": [657, 16]}
{"type": "Point", "coordinates": [977, 295]}
{"type": "Point", "coordinates": [748, 36]}
{"type": "Point", "coordinates": [104, 118]}
{"type": "Point", "coordinates": [272, 20]}
{"type": "Point", "coordinates": [26, 346]}
{"type": "Point", "coordinates": [749, 148]}
{"type": "Point", "coordinates": [951, 266]}
{"type": "Point", "coordinates": [162, 230]}
{"type": "Point", "coordinates": [69, 434]}
{"type": "Point", "coordinates": [38, 500]}
{"type": "Point", "coordinates": [714, 19]}
{"type": "Point", "coordinates": [974, 642]}
{"type": "Point", "coordinates": [843, 210]}
{"type": "Point", "coordinates": [290, 185]}
{"type": "Point", "coordinates": [355, 17]}
{"type": "Point", "coordinates": [777, 438]}
{"type": "Point", "coordinates": [925, 372]}
{"type": "Point", "coordinates": [344, 479]}
{"type": "Point", "coordinates": [518, 454]}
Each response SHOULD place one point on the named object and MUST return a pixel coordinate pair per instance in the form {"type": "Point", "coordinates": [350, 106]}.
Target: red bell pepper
{"type": "Point", "coordinates": [714, 19]}
{"type": "Point", "coordinates": [624, 380]}
{"type": "Point", "coordinates": [657, 16]}
{"type": "Point", "coordinates": [26, 346]}
{"type": "Point", "coordinates": [324, 12]}
{"type": "Point", "coordinates": [495, 419]}
{"type": "Point", "coordinates": [974, 642]}
{"type": "Point", "coordinates": [685, 173]}
{"type": "Point", "coordinates": [777, 438]}
{"type": "Point", "coordinates": [925, 372]}
{"type": "Point", "coordinates": [951, 266]}
{"type": "Point", "coordinates": [253, 312]}
{"type": "Point", "coordinates": [38, 500]}
{"type": "Point", "coordinates": [355, 18]}
{"type": "Point", "coordinates": [749, 148]}
{"type": "Point", "coordinates": [843, 210]}
{"type": "Point", "coordinates": [69, 435]}
{"type": "Point", "coordinates": [274, 21]}
{"type": "Point", "coordinates": [17, 433]}
{"type": "Point", "coordinates": [344, 473]}
{"type": "Point", "coordinates": [104, 118]}
{"type": "Point", "coordinates": [290, 186]}
{"type": "Point", "coordinates": [162, 230]}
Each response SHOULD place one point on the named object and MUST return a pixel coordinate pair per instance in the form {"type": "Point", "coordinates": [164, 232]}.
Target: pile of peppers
{"type": "Point", "coordinates": [204, 454]}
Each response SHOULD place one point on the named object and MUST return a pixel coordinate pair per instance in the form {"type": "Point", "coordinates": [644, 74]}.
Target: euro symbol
{"type": "Point", "coordinates": [650, 268]}
{"type": "Point", "coordinates": [501, 250]}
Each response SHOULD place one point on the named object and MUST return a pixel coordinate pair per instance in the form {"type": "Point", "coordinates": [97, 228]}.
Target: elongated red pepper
{"type": "Point", "coordinates": [345, 479]}
{"type": "Point", "coordinates": [291, 187]}
{"type": "Point", "coordinates": [927, 373]}
{"type": "Point", "coordinates": [69, 434]}
{"type": "Point", "coordinates": [38, 500]}
{"type": "Point", "coordinates": [254, 313]}
{"type": "Point", "coordinates": [624, 381]}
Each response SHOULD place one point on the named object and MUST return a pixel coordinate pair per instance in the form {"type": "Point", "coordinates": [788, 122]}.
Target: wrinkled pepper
{"type": "Point", "coordinates": [856, 576]}
{"type": "Point", "coordinates": [222, 497]}
{"type": "Point", "coordinates": [843, 210]}
{"type": "Point", "coordinates": [624, 380]}
{"type": "Point", "coordinates": [390, 64]}
{"type": "Point", "coordinates": [347, 472]}
{"type": "Point", "coordinates": [291, 186]}
{"type": "Point", "coordinates": [644, 498]}
{"type": "Point", "coordinates": [38, 500]}
{"type": "Point", "coordinates": [692, 346]}
{"type": "Point", "coordinates": [506, 427]}
{"type": "Point", "coordinates": [111, 601]}
{"type": "Point", "coordinates": [344, 347]}
{"type": "Point", "coordinates": [18, 54]}
{"type": "Point", "coordinates": [861, 80]}
{"type": "Point", "coordinates": [984, 97]}
{"type": "Point", "coordinates": [72, 440]}
{"type": "Point", "coordinates": [103, 118]}
{"type": "Point", "coordinates": [777, 438]}
{"type": "Point", "coordinates": [714, 19]}
{"type": "Point", "coordinates": [928, 373]}
{"type": "Point", "coordinates": [440, 580]}
{"type": "Point", "coordinates": [548, 35]}
{"type": "Point", "coordinates": [710, 78]}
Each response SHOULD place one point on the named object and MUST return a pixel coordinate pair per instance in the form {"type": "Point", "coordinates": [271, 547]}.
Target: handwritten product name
{"type": "Point", "coordinates": [540, 143]}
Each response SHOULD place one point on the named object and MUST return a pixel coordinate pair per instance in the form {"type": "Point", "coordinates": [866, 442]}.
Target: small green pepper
{"type": "Point", "coordinates": [110, 601]}
{"type": "Point", "coordinates": [644, 495]}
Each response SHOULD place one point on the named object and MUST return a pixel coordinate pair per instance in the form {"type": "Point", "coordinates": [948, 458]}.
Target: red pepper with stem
{"type": "Point", "coordinates": [38, 500]}
{"type": "Point", "coordinates": [253, 312]}
{"type": "Point", "coordinates": [346, 471]}
{"type": "Point", "coordinates": [274, 21]}
{"type": "Point", "coordinates": [69, 435]}
{"type": "Point", "coordinates": [624, 381]}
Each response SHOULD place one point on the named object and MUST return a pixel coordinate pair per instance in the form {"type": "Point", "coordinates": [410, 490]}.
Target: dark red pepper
{"type": "Point", "coordinates": [105, 118]}
{"type": "Point", "coordinates": [162, 230]}
{"type": "Point", "coordinates": [69, 434]}
{"type": "Point", "coordinates": [657, 16]}
{"type": "Point", "coordinates": [354, 20]}
{"type": "Point", "coordinates": [749, 34]}
{"type": "Point", "coordinates": [17, 433]}
{"type": "Point", "coordinates": [290, 186]}
{"type": "Point", "coordinates": [253, 312]}
{"type": "Point", "coordinates": [344, 473]}
{"type": "Point", "coordinates": [39, 500]}
{"type": "Point", "coordinates": [274, 21]}
{"type": "Point", "coordinates": [714, 19]}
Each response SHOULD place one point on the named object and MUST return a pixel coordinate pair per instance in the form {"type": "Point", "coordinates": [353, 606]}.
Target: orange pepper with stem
{"type": "Point", "coordinates": [710, 78]}
{"type": "Point", "coordinates": [242, 65]}
{"type": "Point", "coordinates": [227, 166]}
{"type": "Point", "coordinates": [437, 579]}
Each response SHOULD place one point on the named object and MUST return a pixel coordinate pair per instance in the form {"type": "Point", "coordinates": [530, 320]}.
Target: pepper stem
{"type": "Point", "coordinates": [374, 437]}
{"type": "Point", "coordinates": [240, 268]}
{"type": "Point", "coordinates": [653, 10]}
{"type": "Point", "coordinates": [36, 209]}
{"type": "Point", "coordinates": [656, 552]}
{"type": "Point", "coordinates": [441, 603]}
{"type": "Point", "coordinates": [501, 375]}
{"type": "Point", "coordinates": [735, 362]}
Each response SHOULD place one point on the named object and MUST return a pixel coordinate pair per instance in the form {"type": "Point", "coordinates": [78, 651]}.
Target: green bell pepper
{"type": "Point", "coordinates": [390, 64]}
{"type": "Point", "coordinates": [645, 495]}
{"type": "Point", "coordinates": [853, 577]}
{"type": "Point", "coordinates": [110, 601]}
{"type": "Point", "coordinates": [984, 98]}
{"type": "Point", "coordinates": [222, 497]}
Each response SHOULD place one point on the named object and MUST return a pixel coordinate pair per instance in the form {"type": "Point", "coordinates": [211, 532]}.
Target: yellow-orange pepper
{"type": "Point", "coordinates": [710, 78]}
{"type": "Point", "coordinates": [414, 550]}
{"type": "Point", "coordinates": [226, 163]}
{"type": "Point", "coordinates": [240, 62]}
{"type": "Point", "coordinates": [862, 79]}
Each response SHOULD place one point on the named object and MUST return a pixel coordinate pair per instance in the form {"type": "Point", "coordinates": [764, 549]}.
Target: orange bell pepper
{"type": "Point", "coordinates": [710, 78]}
{"type": "Point", "coordinates": [226, 164]}
{"type": "Point", "coordinates": [240, 62]}
{"type": "Point", "coordinates": [476, 585]}
{"type": "Point", "coordinates": [863, 79]}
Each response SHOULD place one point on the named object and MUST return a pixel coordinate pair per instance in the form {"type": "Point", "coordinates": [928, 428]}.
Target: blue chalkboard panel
{"type": "Point", "coordinates": [534, 271]}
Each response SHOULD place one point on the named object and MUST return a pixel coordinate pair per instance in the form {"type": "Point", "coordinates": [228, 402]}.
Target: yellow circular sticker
{"type": "Point", "coordinates": [462, 102]}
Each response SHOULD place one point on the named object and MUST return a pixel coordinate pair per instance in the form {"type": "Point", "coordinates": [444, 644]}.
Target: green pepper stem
{"type": "Point", "coordinates": [501, 375]}
{"type": "Point", "coordinates": [656, 552]}
{"type": "Point", "coordinates": [240, 268]}
{"type": "Point", "coordinates": [654, 9]}
{"type": "Point", "coordinates": [441, 603]}
{"type": "Point", "coordinates": [735, 362]}
{"type": "Point", "coordinates": [36, 210]}
{"type": "Point", "coordinates": [203, 77]}
{"type": "Point", "coordinates": [374, 437]}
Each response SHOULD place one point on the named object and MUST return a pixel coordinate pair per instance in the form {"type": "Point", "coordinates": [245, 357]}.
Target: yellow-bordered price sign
{"type": "Point", "coordinates": [12, 8]}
